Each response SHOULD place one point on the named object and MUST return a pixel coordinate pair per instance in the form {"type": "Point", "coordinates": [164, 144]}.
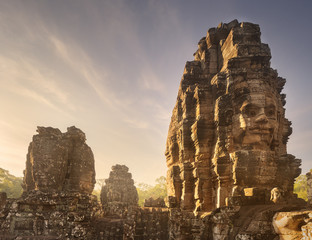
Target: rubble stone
{"type": "Point", "coordinates": [151, 202]}
{"type": "Point", "coordinates": [293, 225]}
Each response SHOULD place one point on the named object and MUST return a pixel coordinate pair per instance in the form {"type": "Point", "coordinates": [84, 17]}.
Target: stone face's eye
{"type": "Point", "coordinates": [251, 110]}
{"type": "Point", "coordinates": [270, 112]}
{"type": "Point", "coordinates": [252, 113]}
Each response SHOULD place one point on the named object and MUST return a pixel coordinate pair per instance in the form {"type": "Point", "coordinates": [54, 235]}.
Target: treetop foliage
{"type": "Point", "coordinates": [300, 187]}
{"type": "Point", "coordinates": [10, 184]}
{"type": "Point", "coordinates": [146, 191]}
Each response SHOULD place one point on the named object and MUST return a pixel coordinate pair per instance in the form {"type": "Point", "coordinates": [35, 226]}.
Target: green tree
{"type": "Point", "coordinates": [146, 191]}
{"type": "Point", "coordinates": [10, 184]}
{"type": "Point", "coordinates": [300, 187]}
{"type": "Point", "coordinates": [98, 187]}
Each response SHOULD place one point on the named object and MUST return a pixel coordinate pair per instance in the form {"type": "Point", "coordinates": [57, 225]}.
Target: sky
{"type": "Point", "coordinates": [112, 68]}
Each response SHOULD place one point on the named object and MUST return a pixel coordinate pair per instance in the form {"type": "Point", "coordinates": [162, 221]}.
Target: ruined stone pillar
{"type": "Point", "coordinates": [188, 186]}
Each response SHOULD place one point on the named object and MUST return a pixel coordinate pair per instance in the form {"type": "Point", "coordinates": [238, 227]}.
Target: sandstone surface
{"type": "Point", "coordinates": [309, 186]}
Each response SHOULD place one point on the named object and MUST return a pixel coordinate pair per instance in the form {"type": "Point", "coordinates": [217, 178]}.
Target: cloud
{"type": "Point", "coordinates": [160, 112]}
{"type": "Point", "coordinates": [149, 80]}
{"type": "Point", "coordinates": [98, 64]}
{"type": "Point", "coordinates": [79, 62]}
{"type": "Point", "coordinates": [26, 77]}
{"type": "Point", "coordinates": [136, 123]}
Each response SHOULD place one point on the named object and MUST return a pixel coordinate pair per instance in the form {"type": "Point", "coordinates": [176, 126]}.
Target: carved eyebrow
{"type": "Point", "coordinates": [270, 106]}
{"type": "Point", "coordinates": [248, 105]}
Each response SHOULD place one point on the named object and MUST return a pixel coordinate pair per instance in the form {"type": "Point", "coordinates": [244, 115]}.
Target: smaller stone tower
{"type": "Point", "coordinates": [119, 187]}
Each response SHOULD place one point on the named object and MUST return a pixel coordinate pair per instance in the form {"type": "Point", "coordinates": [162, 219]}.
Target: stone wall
{"type": "Point", "coordinates": [134, 223]}
{"type": "Point", "coordinates": [50, 216]}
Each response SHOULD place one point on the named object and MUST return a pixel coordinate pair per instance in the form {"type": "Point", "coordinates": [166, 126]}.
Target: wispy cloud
{"type": "Point", "coordinates": [136, 123]}
{"type": "Point", "coordinates": [59, 70]}
{"type": "Point", "coordinates": [150, 81]}
{"type": "Point", "coordinates": [23, 77]}
{"type": "Point", "coordinates": [79, 62]}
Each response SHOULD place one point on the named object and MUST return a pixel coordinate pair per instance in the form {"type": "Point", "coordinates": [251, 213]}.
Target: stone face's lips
{"type": "Point", "coordinates": [261, 130]}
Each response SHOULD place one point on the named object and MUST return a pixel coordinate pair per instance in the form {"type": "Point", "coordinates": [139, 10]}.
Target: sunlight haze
{"type": "Point", "coordinates": [113, 68]}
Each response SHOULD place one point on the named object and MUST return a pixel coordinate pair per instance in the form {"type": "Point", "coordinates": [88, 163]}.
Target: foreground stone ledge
{"type": "Point", "coordinates": [59, 215]}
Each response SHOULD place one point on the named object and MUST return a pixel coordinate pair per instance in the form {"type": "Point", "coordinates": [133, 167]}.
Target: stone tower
{"type": "Point", "coordinates": [119, 187]}
{"type": "Point", "coordinates": [59, 162]}
{"type": "Point", "coordinates": [58, 181]}
{"type": "Point", "coordinates": [228, 131]}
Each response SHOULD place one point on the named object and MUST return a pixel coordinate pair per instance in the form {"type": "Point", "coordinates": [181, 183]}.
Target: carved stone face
{"type": "Point", "coordinates": [256, 123]}
{"type": "Point", "coordinates": [172, 152]}
{"type": "Point", "coordinates": [276, 195]}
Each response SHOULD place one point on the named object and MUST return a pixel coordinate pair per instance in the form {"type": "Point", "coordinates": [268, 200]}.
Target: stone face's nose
{"type": "Point", "coordinates": [262, 118]}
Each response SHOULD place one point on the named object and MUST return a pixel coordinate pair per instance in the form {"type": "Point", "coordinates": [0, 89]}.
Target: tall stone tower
{"type": "Point", "coordinates": [228, 131]}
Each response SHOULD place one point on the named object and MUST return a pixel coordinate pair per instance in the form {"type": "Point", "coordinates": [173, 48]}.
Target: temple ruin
{"type": "Point", "coordinates": [58, 181]}
{"type": "Point", "coordinates": [228, 130]}
{"type": "Point", "coordinates": [229, 174]}
{"type": "Point", "coordinates": [119, 187]}
{"type": "Point", "coordinates": [226, 145]}
{"type": "Point", "coordinates": [57, 201]}
{"type": "Point", "coordinates": [122, 218]}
